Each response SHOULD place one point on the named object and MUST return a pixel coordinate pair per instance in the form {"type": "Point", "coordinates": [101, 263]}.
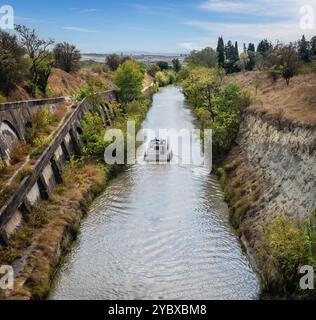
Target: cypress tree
{"type": "Point", "coordinates": [220, 52]}
{"type": "Point", "coordinates": [313, 46]}
{"type": "Point", "coordinates": [252, 57]}
{"type": "Point", "coordinates": [303, 49]}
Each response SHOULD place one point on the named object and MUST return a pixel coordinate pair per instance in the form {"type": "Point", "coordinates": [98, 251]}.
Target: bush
{"type": "Point", "coordinates": [2, 99]}
{"type": "Point", "coordinates": [17, 153]}
{"type": "Point", "coordinates": [284, 249]}
{"type": "Point", "coordinates": [164, 78]}
{"type": "Point", "coordinates": [93, 135]}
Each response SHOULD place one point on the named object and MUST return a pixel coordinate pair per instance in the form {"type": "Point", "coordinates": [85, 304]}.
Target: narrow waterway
{"type": "Point", "coordinates": [158, 232]}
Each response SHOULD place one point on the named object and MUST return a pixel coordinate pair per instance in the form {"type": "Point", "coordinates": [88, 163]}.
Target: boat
{"type": "Point", "coordinates": [158, 151]}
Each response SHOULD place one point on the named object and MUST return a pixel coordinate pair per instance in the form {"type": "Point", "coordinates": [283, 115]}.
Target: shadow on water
{"type": "Point", "coordinates": [158, 232]}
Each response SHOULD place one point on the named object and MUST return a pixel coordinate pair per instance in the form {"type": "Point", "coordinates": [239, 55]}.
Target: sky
{"type": "Point", "coordinates": [164, 26]}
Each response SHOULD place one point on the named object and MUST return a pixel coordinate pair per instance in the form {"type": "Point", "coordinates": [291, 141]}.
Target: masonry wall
{"type": "Point", "coordinates": [48, 169]}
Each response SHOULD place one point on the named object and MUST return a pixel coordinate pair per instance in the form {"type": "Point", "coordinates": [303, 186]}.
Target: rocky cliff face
{"type": "Point", "coordinates": [283, 154]}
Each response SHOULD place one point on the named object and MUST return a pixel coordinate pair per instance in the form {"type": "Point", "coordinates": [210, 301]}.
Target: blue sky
{"type": "Point", "coordinates": [171, 26]}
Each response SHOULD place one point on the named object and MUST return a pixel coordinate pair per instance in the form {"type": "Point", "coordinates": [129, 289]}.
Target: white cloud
{"type": "Point", "coordinates": [276, 8]}
{"type": "Point", "coordinates": [243, 33]}
{"type": "Point", "coordinates": [80, 29]}
{"type": "Point", "coordinates": [285, 29]}
{"type": "Point", "coordinates": [87, 10]}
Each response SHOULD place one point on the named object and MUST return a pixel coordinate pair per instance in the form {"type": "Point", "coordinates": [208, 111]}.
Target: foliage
{"type": "Point", "coordinates": [286, 247]}
{"type": "Point", "coordinates": [13, 64]}
{"type": "Point", "coordinates": [163, 65]}
{"type": "Point", "coordinates": [44, 70]}
{"type": "Point", "coordinates": [264, 47]}
{"type": "Point", "coordinates": [176, 65]}
{"type": "Point", "coordinates": [153, 69]}
{"type": "Point", "coordinates": [204, 58]}
{"type": "Point", "coordinates": [67, 57]}
{"type": "Point", "coordinates": [83, 93]}
{"type": "Point", "coordinates": [38, 53]}
{"type": "Point", "coordinates": [93, 135]}
{"type": "Point", "coordinates": [2, 99]}
{"type": "Point", "coordinates": [232, 57]}
{"type": "Point", "coordinates": [17, 153]}
{"type": "Point", "coordinates": [129, 78]}
{"type": "Point", "coordinates": [303, 49]}
{"type": "Point", "coordinates": [113, 61]}
{"type": "Point", "coordinates": [164, 78]}
{"type": "Point", "coordinates": [220, 50]}
{"type": "Point", "coordinates": [216, 105]}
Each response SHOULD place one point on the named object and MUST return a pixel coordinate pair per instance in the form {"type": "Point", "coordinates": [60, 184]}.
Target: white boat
{"type": "Point", "coordinates": [158, 151]}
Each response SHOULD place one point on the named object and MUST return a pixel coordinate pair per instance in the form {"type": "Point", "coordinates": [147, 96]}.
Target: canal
{"type": "Point", "coordinates": [158, 232]}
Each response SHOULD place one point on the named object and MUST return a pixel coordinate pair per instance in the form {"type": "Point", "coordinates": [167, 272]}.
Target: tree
{"type": "Point", "coordinates": [232, 58]}
{"type": "Point", "coordinates": [263, 47]}
{"type": "Point", "coordinates": [252, 57]}
{"type": "Point", "coordinates": [153, 69]}
{"type": "Point", "coordinates": [313, 46]}
{"type": "Point", "coordinates": [303, 49]}
{"type": "Point", "coordinates": [201, 86]}
{"type": "Point", "coordinates": [44, 70]}
{"type": "Point", "coordinates": [163, 65]}
{"type": "Point", "coordinates": [113, 61]}
{"type": "Point", "coordinates": [129, 78]}
{"type": "Point", "coordinates": [220, 50]}
{"type": "Point", "coordinates": [289, 62]}
{"type": "Point", "coordinates": [205, 58]}
{"type": "Point", "coordinates": [37, 50]}
{"type": "Point", "coordinates": [13, 64]}
{"type": "Point", "coordinates": [244, 60]}
{"type": "Point", "coordinates": [176, 65]}
{"type": "Point", "coordinates": [67, 57]}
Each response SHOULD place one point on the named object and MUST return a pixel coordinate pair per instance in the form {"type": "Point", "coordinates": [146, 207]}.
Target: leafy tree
{"type": "Point", "coordinates": [201, 86]}
{"type": "Point", "coordinates": [113, 61]}
{"type": "Point", "coordinates": [303, 49]}
{"type": "Point", "coordinates": [163, 65]}
{"type": "Point", "coordinates": [244, 60]}
{"type": "Point", "coordinates": [13, 64]}
{"type": "Point", "coordinates": [129, 78]}
{"type": "Point", "coordinates": [153, 69]}
{"type": "Point", "coordinates": [67, 57]}
{"type": "Point", "coordinates": [313, 46]}
{"type": "Point", "coordinates": [205, 58]}
{"type": "Point", "coordinates": [176, 65]}
{"type": "Point", "coordinates": [37, 50]}
{"type": "Point", "coordinates": [44, 70]}
{"type": "Point", "coordinates": [220, 50]}
{"type": "Point", "coordinates": [263, 47]}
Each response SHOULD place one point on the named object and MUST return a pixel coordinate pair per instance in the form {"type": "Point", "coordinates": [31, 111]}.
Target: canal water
{"type": "Point", "coordinates": [158, 232]}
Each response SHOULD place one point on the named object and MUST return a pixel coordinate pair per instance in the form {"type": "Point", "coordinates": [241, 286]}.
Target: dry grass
{"type": "Point", "coordinates": [51, 227]}
{"type": "Point", "coordinates": [242, 188]}
{"type": "Point", "coordinates": [296, 102]}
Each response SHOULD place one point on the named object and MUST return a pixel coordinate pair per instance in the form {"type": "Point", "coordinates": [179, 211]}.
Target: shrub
{"type": "Point", "coordinates": [286, 247]}
{"type": "Point", "coordinates": [93, 135]}
{"type": "Point", "coordinates": [164, 78]}
{"type": "Point", "coordinates": [2, 99]}
{"type": "Point", "coordinates": [17, 153]}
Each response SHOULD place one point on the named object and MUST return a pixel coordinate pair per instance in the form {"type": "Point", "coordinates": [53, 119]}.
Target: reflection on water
{"type": "Point", "coordinates": [158, 232]}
